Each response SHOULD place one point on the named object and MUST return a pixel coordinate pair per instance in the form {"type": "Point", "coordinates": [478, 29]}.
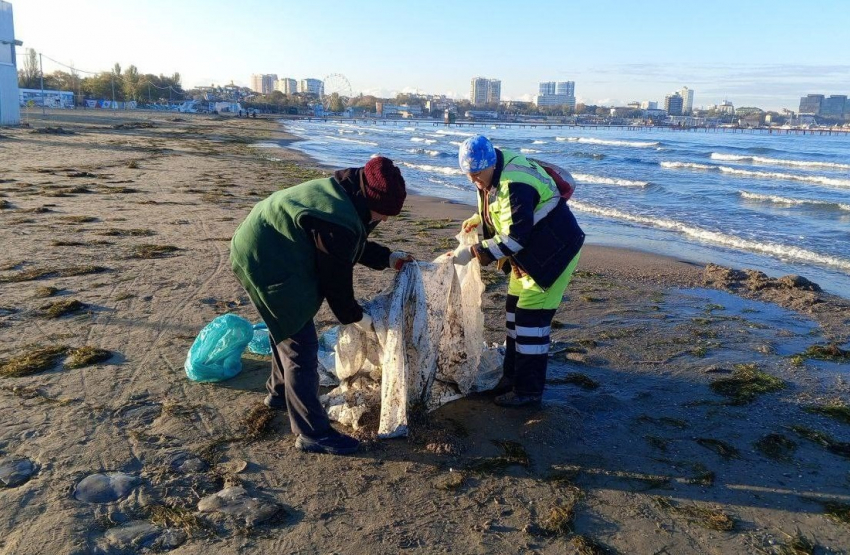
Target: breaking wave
{"type": "Point", "coordinates": [592, 141]}
{"type": "Point", "coordinates": [773, 249]}
{"type": "Point", "coordinates": [529, 151]}
{"type": "Point", "coordinates": [426, 152]}
{"type": "Point", "coordinates": [433, 169]}
{"type": "Point", "coordinates": [793, 201]}
{"type": "Point", "coordinates": [423, 140]}
{"type": "Point", "coordinates": [820, 179]}
{"type": "Point", "coordinates": [585, 178]}
{"type": "Point", "coordinates": [355, 141]}
{"type": "Point", "coordinates": [779, 161]}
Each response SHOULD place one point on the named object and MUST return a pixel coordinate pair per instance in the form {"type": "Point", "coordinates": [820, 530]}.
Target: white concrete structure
{"type": "Point", "coordinates": [10, 111]}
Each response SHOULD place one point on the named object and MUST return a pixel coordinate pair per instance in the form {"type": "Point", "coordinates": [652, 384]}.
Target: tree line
{"type": "Point", "coordinates": [118, 84]}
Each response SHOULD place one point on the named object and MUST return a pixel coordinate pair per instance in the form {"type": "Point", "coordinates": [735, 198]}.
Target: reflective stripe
{"type": "Point", "coordinates": [533, 332]}
{"type": "Point", "coordinates": [510, 243]}
{"type": "Point", "coordinates": [532, 349]}
{"type": "Point", "coordinates": [511, 334]}
{"type": "Point", "coordinates": [496, 251]}
{"type": "Point", "coordinates": [544, 209]}
{"type": "Point", "coordinates": [510, 317]}
{"type": "Point", "coordinates": [529, 171]}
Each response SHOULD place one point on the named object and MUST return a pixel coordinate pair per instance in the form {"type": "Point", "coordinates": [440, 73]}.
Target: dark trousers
{"type": "Point", "coordinates": [526, 346]}
{"type": "Point", "coordinates": [295, 377]}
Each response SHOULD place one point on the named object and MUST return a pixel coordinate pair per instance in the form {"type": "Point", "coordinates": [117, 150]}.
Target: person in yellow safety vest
{"type": "Point", "coordinates": [527, 225]}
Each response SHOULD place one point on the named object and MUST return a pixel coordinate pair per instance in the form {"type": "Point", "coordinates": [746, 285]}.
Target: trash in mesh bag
{"type": "Point", "coordinates": [260, 343]}
{"type": "Point", "coordinates": [426, 349]}
{"type": "Point", "coordinates": [217, 351]}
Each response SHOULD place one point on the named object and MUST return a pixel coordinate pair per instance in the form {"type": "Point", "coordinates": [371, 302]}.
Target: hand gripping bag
{"type": "Point", "coordinates": [217, 351]}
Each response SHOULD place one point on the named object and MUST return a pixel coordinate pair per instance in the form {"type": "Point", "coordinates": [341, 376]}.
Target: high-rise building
{"type": "Point", "coordinates": [263, 83]}
{"type": "Point", "coordinates": [833, 107]}
{"type": "Point", "coordinates": [673, 104]}
{"type": "Point", "coordinates": [565, 87]}
{"type": "Point", "coordinates": [478, 90]}
{"type": "Point", "coordinates": [10, 111]}
{"type": "Point", "coordinates": [494, 91]}
{"type": "Point", "coordinates": [286, 85]}
{"type": "Point", "coordinates": [811, 104]}
{"type": "Point", "coordinates": [687, 100]}
{"type": "Point", "coordinates": [312, 86]}
{"type": "Point", "coordinates": [649, 105]}
{"type": "Point", "coordinates": [556, 93]}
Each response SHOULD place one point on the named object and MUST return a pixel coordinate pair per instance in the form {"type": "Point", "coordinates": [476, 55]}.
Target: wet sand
{"type": "Point", "coordinates": [682, 414]}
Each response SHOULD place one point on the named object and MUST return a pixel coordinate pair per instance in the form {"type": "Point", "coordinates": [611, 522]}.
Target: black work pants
{"type": "Point", "coordinates": [526, 346]}
{"type": "Point", "coordinates": [295, 377]}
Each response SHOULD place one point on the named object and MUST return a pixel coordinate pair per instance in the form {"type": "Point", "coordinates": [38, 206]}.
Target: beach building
{"type": "Point", "coordinates": [478, 90]}
{"type": "Point", "coordinates": [286, 85]}
{"type": "Point", "coordinates": [556, 93]}
{"type": "Point", "coordinates": [687, 100]}
{"type": "Point", "coordinates": [312, 86]}
{"type": "Point", "coordinates": [10, 112]}
{"type": "Point", "coordinates": [673, 104]}
{"type": "Point", "coordinates": [263, 83]}
{"type": "Point", "coordinates": [494, 91]}
{"type": "Point", "coordinates": [834, 106]}
{"type": "Point", "coordinates": [810, 104]}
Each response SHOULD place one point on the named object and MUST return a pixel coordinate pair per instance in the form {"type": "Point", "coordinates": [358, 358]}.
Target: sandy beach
{"type": "Point", "coordinates": [691, 409]}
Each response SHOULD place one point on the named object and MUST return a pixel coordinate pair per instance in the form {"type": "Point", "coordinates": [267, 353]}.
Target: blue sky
{"type": "Point", "coordinates": [758, 52]}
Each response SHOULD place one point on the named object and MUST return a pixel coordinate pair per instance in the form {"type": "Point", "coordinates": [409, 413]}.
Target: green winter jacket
{"type": "Point", "coordinates": [274, 257]}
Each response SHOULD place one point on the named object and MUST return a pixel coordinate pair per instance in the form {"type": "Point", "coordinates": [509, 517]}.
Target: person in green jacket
{"type": "Point", "coordinates": [529, 229]}
{"type": "Point", "coordinates": [297, 248]}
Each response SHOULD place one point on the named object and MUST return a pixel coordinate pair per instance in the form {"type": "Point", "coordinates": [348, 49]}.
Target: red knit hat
{"type": "Point", "coordinates": [383, 187]}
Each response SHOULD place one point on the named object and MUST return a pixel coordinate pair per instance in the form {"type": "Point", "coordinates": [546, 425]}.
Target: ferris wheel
{"type": "Point", "coordinates": [336, 85]}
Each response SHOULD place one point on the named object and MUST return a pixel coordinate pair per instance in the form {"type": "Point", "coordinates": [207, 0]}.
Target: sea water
{"type": "Point", "coordinates": [776, 203]}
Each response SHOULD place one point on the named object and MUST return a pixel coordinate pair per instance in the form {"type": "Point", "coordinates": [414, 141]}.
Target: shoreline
{"type": "Point", "coordinates": [687, 410]}
{"type": "Point", "coordinates": [643, 263]}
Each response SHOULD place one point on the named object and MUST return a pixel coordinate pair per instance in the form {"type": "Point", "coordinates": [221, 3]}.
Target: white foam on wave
{"type": "Point", "coordinates": [793, 201]}
{"type": "Point", "coordinates": [586, 178]}
{"type": "Point", "coordinates": [529, 151]}
{"type": "Point", "coordinates": [778, 161]}
{"type": "Point", "coordinates": [538, 142]}
{"type": "Point", "coordinates": [433, 169]}
{"type": "Point", "coordinates": [456, 143]}
{"type": "Point", "coordinates": [724, 239]}
{"type": "Point", "coordinates": [423, 140]}
{"type": "Point", "coordinates": [454, 133]}
{"type": "Point", "coordinates": [819, 179]}
{"type": "Point", "coordinates": [688, 165]}
{"type": "Point", "coordinates": [424, 151]}
{"type": "Point", "coordinates": [355, 141]}
{"type": "Point", "coordinates": [592, 141]}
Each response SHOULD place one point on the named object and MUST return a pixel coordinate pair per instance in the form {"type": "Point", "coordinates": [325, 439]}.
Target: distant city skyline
{"type": "Point", "coordinates": [748, 52]}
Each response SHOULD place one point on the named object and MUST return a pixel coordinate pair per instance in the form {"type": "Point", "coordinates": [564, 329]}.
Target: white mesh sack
{"type": "Point", "coordinates": [426, 348]}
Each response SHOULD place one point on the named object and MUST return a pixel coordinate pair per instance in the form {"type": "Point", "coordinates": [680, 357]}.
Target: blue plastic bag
{"type": "Point", "coordinates": [217, 351]}
{"type": "Point", "coordinates": [260, 344]}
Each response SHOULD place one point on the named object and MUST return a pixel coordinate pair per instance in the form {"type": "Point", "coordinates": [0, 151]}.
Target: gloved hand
{"type": "Point", "coordinates": [365, 324]}
{"type": "Point", "coordinates": [471, 223]}
{"type": "Point", "coordinates": [462, 255]}
{"type": "Point", "coordinates": [399, 259]}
